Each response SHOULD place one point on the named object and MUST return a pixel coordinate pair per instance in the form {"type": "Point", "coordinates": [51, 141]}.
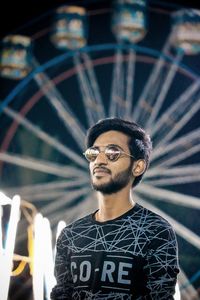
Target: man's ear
{"type": "Point", "coordinates": [139, 167]}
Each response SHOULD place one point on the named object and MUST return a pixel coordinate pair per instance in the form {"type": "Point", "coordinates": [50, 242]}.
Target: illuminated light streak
{"type": "Point", "coordinates": [164, 90]}
{"type": "Point", "coordinates": [4, 200]}
{"type": "Point", "coordinates": [49, 278]}
{"type": "Point", "coordinates": [41, 165]}
{"type": "Point", "coordinates": [38, 258]}
{"type": "Point", "coordinates": [38, 132]}
{"type": "Point", "coordinates": [61, 225]}
{"type": "Point", "coordinates": [1, 231]}
{"type": "Point", "coordinates": [6, 257]}
{"type": "Point", "coordinates": [168, 196]}
{"type": "Point", "coordinates": [177, 295]}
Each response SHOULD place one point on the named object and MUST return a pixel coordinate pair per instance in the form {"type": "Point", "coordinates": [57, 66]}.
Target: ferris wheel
{"type": "Point", "coordinates": [74, 70]}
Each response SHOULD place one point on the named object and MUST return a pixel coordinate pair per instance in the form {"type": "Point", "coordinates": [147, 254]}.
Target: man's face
{"type": "Point", "coordinates": [106, 176]}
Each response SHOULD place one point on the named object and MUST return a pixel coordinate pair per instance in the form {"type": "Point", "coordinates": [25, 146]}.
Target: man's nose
{"type": "Point", "coordinates": [101, 158]}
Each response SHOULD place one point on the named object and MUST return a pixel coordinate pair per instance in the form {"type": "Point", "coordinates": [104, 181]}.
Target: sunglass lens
{"type": "Point", "coordinates": [91, 154]}
{"type": "Point", "coordinates": [112, 153]}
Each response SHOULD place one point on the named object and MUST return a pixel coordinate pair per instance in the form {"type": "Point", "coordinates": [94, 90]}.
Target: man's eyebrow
{"type": "Point", "coordinates": [108, 145]}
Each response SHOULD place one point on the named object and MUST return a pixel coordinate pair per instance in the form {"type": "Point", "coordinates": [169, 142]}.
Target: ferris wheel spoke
{"type": "Point", "coordinates": [187, 290]}
{"type": "Point", "coordinates": [61, 184]}
{"type": "Point", "coordinates": [64, 200]}
{"type": "Point", "coordinates": [42, 135]}
{"type": "Point", "coordinates": [91, 106]}
{"type": "Point", "coordinates": [181, 123]}
{"type": "Point", "coordinates": [47, 191]}
{"type": "Point", "coordinates": [165, 195]}
{"type": "Point", "coordinates": [61, 107]}
{"type": "Point", "coordinates": [117, 103]}
{"type": "Point", "coordinates": [152, 87]}
{"type": "Point", "coordinates": [130, 83]}
{"type": "Point", "coordinates": [85, 207]}
{"type": "Point", "coordinates": [184, 170]}
{"type": "Point", "coordinates": [178, 155]}
{"type": "Point", "coordinates": [182, 103]}
{"type": "Point", "coordinates": [94, 85]}
{"type": "Point", "coordinates": [177, 121]}
{"type": "Point", "coordinates": [174, 180]}
{"type": "Point", "coordinates": [41, 165]}
{"type": "Point", "coordinates": [181, 230]}
{"type": "Point", "coordinates": [179, 145]}
{"type": "Point", "coordinates": [53, 208]}
{"type": "Point", "coordinates": [164, 90]}
{"type": "Point", "coordinates": [51, 196]}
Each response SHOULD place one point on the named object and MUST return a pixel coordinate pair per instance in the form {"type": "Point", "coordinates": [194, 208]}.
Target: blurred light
{"type": "Point", "coordinates": [61, 225]}
{"type": "Point", "coordinates": [15, 56]}
{"type": "Point", "coordinates": [129, 22]}
{"type": "Point", "coordinates": [177, 295]}
{"type": "Point", "coordinates": [4, 200]}
{"type": "Point", "coordinates": [69, 29]}
{"type": "Point", "coordinates": [50, 280]}
{"type": "Point", "coordinates": [43, 261]}
{"type": "Point", "coordinates": [6, 257]}
{"type": "Point", "coordinates": [38, 259]}
{"type": "Point", "coordinates": [1, 235]}
{"type": "Point", "coordinates": [186, 30]}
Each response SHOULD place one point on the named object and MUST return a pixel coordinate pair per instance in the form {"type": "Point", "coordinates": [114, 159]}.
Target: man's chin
{"type": "Point", "coordinates": [106, 188]}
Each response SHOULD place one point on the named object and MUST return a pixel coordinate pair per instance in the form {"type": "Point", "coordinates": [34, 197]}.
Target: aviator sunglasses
{"type": "Point", "coordinates": [112, 152]}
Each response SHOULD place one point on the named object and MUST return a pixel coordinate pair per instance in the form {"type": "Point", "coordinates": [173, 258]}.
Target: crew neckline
{"type": "Point", "coordinates": [92, 216]}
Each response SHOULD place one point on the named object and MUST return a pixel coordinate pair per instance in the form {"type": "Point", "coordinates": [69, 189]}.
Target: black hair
{"type": "Point", "coordinates": [140, 144]}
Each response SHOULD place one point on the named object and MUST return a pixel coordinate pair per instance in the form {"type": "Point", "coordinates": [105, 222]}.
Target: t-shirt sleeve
{"type": "Point", "coordinates": [162, 264]}
{"type": "Point", "coordinates": [64, 287]}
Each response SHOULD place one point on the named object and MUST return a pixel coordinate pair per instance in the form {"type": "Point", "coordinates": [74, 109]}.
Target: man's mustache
{"type": "Point", "coordinates": [101, 169]}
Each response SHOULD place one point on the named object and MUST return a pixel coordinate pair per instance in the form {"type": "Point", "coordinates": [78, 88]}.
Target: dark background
{"type": "Point", "coordinates": [14, 14]}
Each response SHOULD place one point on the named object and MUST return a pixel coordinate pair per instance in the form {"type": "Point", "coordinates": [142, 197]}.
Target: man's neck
{"type": "Point", "coordinates": [113, 205]}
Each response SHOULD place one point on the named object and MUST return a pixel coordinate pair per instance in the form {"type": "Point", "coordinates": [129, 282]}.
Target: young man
{"type": "Point", "coordinates": [123, 250]}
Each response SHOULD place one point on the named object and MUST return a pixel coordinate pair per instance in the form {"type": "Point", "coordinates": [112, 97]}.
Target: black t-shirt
{"type": "Point", "coordinates": [131, 257]}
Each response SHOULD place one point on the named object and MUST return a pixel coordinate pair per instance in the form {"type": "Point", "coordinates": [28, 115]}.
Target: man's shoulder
{"type": "Point", "coordinates": [153, 219]}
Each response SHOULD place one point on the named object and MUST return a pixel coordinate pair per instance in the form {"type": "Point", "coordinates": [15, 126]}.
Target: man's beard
{"type": "Point", "coordinates": [115, 184]}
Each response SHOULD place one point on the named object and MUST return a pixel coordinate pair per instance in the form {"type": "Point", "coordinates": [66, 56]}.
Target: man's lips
{"type": "Point", "coordinates": [100, 170]}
